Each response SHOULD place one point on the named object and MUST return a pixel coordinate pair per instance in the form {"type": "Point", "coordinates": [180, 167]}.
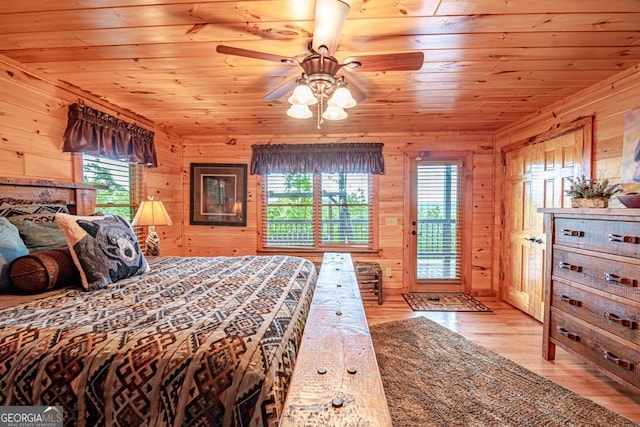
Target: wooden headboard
{"type": "Point", "coordinates": [80, 198]}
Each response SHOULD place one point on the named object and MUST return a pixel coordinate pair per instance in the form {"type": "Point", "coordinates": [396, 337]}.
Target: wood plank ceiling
{"type": "Point", "coordinates": [487, 63]}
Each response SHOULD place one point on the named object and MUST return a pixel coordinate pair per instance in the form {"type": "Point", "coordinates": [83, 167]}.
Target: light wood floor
{"type": "Point", "coordinates": [518, 337]}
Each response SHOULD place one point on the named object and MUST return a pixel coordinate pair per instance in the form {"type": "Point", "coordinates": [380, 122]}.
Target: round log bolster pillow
{"type": "Point", "coordinates": [43, 270]}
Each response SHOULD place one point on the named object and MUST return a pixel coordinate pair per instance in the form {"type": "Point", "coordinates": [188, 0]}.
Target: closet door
{"type": "Point", "coordinates": [535, 177]}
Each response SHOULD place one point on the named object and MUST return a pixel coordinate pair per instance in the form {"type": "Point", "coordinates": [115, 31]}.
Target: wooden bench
{"type": "Point", "coordinates": [336, 381]}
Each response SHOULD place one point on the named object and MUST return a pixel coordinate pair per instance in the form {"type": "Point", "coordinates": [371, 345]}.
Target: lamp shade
{"type": "Point", "coordinates": [342, 98]}
{"type": "Point", "coordinates": [334, 113]}
{"type": "Point", "coordinates": [151, 212]}
{"type": "Point", "coordinates": [299, 112]}
{"type": "Point", "coordinates": [302, 95]}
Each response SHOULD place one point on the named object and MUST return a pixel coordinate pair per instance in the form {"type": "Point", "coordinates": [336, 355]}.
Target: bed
{"type": "Point", "coordinates": [188, 341]}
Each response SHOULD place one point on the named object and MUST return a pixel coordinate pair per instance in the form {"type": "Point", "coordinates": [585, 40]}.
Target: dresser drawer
{"type": "Point", "coordinates": [620, 359]}
{"type": "Point", "coordinates": [613, 237]}
{"type": "Point", "coordinates": [620, 319]}
{"type": "Point", "coordinates": [615, 277]}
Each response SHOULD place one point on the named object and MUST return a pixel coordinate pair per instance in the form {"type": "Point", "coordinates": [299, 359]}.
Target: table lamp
{"type": "Point", "coordinates": [151, 213]}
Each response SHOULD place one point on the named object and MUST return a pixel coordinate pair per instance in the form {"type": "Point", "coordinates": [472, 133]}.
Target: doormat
{"type": "Point", "coordinates": [430, 301]}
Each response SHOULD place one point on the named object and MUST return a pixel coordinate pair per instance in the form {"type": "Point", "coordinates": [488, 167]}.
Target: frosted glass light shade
{"type": "Point", "coordinates": [342, 98]}
{"type": "Point", "coordinates": [299, 111]}
{"type": "Point", "coordinates": [334, 113]}
{"type": "Point", "coordinates": [302, 95]}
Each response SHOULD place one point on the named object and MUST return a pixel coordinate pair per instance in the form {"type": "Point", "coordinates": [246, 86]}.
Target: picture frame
{"type": "Point", "coordinates": [218, 194]}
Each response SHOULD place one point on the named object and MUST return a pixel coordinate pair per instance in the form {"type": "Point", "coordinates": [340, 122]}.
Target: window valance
{"type": "Point", "coordinates": [311, 158]}
{"type": "Point", "coordinates": [100, 134]}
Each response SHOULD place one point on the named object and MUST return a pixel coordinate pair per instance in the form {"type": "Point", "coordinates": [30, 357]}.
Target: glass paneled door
{"type": "Point", "coordinates": [437, 242]}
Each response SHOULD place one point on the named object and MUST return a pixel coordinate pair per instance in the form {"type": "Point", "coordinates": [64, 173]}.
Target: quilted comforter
{"type": "Point", "coordinates": [196, 341]}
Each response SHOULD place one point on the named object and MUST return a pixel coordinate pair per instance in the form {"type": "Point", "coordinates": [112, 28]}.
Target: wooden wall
{"type": "Point", "coordinates": [607, 102]}
{"type": "Point", "coordinates": [33, 117]}
{"type": "Point", "coordinates": [220, 240]}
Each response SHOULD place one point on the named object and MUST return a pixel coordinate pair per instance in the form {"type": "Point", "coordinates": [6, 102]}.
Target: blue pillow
{"type": "Point", "coordinates": [11, 247]}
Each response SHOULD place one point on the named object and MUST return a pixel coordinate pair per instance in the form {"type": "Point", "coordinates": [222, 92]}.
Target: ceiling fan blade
{"type": "Point", "coordinates": [228, 50]}
{"type": "Point", "coordinates": [356, 92]}
{"type": "Point", "coordinates": [329, 20]}
{"type": "Point", "coordinates": [281, 90]}
{"type": "Point", "coordinates": [406, 61]}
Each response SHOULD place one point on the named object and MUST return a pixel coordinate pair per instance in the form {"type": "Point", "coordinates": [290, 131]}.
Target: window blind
{"type": "Point", "coordinates": [440, 232]}
{"type": "Point", "coordinates": [317, 211]}
{"type": "Point", "coordinates": [122, 187]}
{"type": "Point", "coordinates": [346, 212]}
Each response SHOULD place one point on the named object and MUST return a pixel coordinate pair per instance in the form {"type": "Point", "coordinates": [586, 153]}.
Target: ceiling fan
{"type": "Point", "coordinates": [320, 80]}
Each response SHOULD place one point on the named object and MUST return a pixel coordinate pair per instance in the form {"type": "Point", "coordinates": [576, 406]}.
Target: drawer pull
{"type": "Point", "coordinates": [615, 359]}
{"type": "Point", "coordinates": [574, 233]}
{"type": "Point", "coordinates": [624, 239]}
{"type": "Point", "coordinates": [614, 278]}
{"type": "Point", "coordinates": [568, 266]}
{"type": "Point", "coordinates": [624, 322]}
{"type": "Point", "coordinates": [570, 301]}
{"type": "Point", "coordinates": [567, 334]}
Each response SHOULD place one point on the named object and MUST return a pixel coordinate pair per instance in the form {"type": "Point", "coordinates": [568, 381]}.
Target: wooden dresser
{"type": "Point", "coordinates": [592, 289]}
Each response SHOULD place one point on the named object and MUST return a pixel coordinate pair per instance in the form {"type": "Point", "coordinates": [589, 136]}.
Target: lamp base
{"type": "Point", "coordinates": [152, 244]}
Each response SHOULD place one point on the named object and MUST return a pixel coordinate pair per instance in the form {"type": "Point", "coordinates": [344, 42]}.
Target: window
{"type": "Point", "coordinates": [439, 213]}
{"type": "Point", "coordinates": [121, 183]}
{"type": "Point", "coordinates": [317, 211]}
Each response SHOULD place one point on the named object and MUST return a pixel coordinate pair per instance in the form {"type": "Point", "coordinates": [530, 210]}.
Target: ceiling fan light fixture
{"type": "Point", "coordinates": [342, 98]}
{"type": "Point", "coordinates": [334, 113]}
{"type": "Point", "coordinates": [302, 95]}
{"type": "Point", "coordinates": [299, 111]}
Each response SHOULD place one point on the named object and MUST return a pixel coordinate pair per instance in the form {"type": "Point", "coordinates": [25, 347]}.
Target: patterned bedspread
{"type": "Point", "coordinates": [196, 341]}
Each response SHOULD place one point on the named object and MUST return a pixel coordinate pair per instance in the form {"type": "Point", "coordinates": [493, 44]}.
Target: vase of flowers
{"type": "Point", "coordinates": [591, 193]}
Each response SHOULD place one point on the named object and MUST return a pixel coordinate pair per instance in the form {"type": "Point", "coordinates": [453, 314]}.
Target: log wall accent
{"type": "Point", "coordinates": [336, 380]}
{"type": "Point", "coordinates": [219, 240]}
{"type": "Point", "coordinates": [33, 117]}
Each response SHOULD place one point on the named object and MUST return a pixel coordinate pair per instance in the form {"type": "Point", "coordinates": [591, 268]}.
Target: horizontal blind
{"type": "Point", "coordinates": [123, 187]}
{"type": "Point", "coordinates": [439, 211]}
{"type": "Point", "coordinates": [288, 210]}
{"type": "Point", "coordinates": [346, 209]}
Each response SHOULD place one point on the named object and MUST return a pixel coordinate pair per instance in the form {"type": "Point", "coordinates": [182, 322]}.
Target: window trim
{"type": "Point", "coordinates": [318, 249]}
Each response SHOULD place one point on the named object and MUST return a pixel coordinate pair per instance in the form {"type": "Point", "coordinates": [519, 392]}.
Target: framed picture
{"type": "Point", "coordinates": [218, 194]}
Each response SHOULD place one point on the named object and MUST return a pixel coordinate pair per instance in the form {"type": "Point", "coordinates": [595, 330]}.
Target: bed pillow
{"type": "Point", "coordinates": [43, 271]}
{"type": "Point", "coordinates": [11, 247]}
{"type": "Point", "coordinates": [40, 236]}
{"type": "Point", "coordinates": [103, 248]}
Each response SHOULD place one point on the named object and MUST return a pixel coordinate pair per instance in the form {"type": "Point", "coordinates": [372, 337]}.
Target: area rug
{"type": "Point", "coordinates": [435, 377]}
{"type": "Point", "coordinates": [428, 301]}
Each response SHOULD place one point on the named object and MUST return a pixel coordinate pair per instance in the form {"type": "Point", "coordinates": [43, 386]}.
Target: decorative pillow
{"type": "Point", "coordinates": [11, 247]}
{"type": "Point", "coordinates": [40, 236]}
{"type": "Point", "coordinates": [43, 271]}
{"type": "Point", "coordinates": [103, 248]}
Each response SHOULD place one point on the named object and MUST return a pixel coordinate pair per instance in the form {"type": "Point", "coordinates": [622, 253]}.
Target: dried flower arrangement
{"type": "Point", "coordinates": [585, 188]}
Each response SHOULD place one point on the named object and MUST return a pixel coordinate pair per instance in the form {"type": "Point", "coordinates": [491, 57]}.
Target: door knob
{"type": "Point", "coordinates": [533, 239]}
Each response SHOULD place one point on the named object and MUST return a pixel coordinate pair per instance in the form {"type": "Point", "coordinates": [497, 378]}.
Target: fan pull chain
{"type": "Point", "coordinates": [320, 109]}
